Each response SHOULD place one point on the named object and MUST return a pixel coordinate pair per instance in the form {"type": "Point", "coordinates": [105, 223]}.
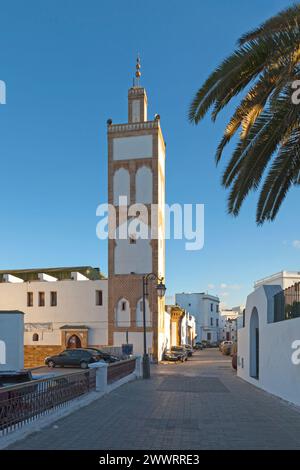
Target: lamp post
{"type": "Point", "coordinates": [161, 290]}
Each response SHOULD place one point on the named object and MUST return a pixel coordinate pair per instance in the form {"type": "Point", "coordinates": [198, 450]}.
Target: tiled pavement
{"type": "Point", "coordinates": [197, 405]}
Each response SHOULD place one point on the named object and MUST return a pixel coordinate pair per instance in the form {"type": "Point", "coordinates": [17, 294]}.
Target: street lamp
{"type": "Point", "coordinates": [161, 290]}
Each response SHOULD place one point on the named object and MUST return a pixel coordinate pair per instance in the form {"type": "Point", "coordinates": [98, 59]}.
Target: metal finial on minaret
{"type": "Point", "coordinates": [138, 71]}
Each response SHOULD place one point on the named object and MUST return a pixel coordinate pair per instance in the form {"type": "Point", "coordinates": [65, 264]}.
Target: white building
{"type": "Point", "coordinates": [11, 340]}
{"type": "Point", "coordinates": [188, 329]}
{"type": "Point", "coordinates": [63, 307]}
{"type": "Point", "coordinates": [205, 309]}
{"type": "Point", "coordinates": [284, 279]}
{"type": "Point", "coordinates": [230, 321]}
{"type": "Point", "coordinates": [269, 342]}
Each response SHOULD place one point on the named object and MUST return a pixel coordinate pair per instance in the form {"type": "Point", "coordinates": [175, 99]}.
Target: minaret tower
{"type": "Point", "coordinates": [136, 169]}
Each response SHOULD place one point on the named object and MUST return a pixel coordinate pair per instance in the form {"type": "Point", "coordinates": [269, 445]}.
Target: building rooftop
{"type": "Point", "coordinates": [11, 312]}
{"type": "Point", "coordinates": [59, 273]}
{"type": "Point", "coordinates": [203, 294]}
{"type": "Point", "coordinates": [275, 278]}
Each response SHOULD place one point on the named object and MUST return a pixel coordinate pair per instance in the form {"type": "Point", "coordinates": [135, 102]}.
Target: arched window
{"type": "Point", "coordinates": [121, 185]}
{"type": "Point", "coordinates": [122, 313]}
{"type": "Point", "coordinates": [139, 313]}
{"type": "Point", "coordinates": [74, 342]}
{"type": "Point", "coordinates": [143, 185]}
{"type": "Point", "coordinates": [35, 337]}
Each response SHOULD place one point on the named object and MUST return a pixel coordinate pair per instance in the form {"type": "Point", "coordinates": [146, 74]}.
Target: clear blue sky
{"type": "Point", "coordinates": [68, 65]}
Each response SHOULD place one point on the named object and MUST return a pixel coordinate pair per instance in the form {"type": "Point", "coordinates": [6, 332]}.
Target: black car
{"type": "Point", "coordinates": [181, 350]}
{"type": "Point", "coordinates": [8, 378]}
{"type": "Point", "coordinates": [189, 349]}
{"type": "Point", "coordinates": [73, 358]}
{"type": "Point", "coordinates": [109, 358]}
{"type": "Point", "coordinates": [173, 356]}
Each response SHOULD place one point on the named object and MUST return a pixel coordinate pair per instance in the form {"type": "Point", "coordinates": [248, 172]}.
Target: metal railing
{"type": "Point", "coordinates": [118, 370]}
{"type": "Point", "coordinates": [22, 404]}
{"type": "Point", "coordinates": [287, 303]}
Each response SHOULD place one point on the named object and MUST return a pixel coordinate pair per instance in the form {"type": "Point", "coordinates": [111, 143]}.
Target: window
{"type": "Point", "coordinates": [41, 299]}
{"type": "Point", "coordinates": [217, 308]}
{"type": "Point", "coordinates": [99, 297]}
{"type": "Point", "coordinates": [211, 307]}
{"type": "Point", "coordinates": [35, 337]}
{"type": "Point", "coordinates": [29, 299]}
{"type": "Point", "coordinates": [211, 321]}
{"type": "Point", "coordinates": [217, 322]}
{"type": "Point", "coordinates": [53, 299]}
{"type": "Point", "coordinates": [208, 336]}
{"type": "Point", "coordinates": [123, 306]}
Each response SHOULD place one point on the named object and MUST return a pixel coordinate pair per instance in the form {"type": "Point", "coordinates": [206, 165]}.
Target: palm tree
{"type": "Point", "coordinates": [266, 121]}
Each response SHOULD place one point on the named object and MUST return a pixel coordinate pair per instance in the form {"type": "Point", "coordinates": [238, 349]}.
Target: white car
{"type": "Point", "coordinates": [225, 343]}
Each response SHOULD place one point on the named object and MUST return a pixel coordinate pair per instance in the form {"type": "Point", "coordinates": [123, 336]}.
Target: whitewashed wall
{"type": "Point", "coordinates": [277, 373]}
{"type": "Point", "coordinates": [11, 341]}
{"type": "Point", "coordinates": [132, 258]}
{"type": "Point", "coordinates": [161, 203]}
{"type": "Point", "coordinates": [76, 304]}
{"type": "Point", "coordinates": [135, 338]}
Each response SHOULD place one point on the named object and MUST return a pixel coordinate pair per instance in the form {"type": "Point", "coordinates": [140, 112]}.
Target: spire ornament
{"type": "Point", "coordinates": [138, 72]}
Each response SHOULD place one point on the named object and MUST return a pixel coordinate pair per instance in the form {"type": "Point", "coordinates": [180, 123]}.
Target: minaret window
{"type": "Point", "coordinates": [123, 313]}
{"type": "Point", "coordinates": [143, 184]}
{"type": "Point", "coordinates": [139, 319]}
{"type": "Point", "coordinates": [136, 111]}
{"type": "Point", "coordinates": [121, 185]}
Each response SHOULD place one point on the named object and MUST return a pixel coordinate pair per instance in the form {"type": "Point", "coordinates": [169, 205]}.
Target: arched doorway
{"type": "Point", "coordinates": [74, 342]}
{"type": "Point", "coordinates": [254, 344]}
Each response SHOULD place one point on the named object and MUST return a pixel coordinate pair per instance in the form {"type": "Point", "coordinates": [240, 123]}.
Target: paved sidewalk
{"type": "Point", "coordinates": [197, 405]}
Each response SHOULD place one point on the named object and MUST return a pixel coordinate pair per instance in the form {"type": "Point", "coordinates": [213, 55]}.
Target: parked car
{"type": "Point", "coordinates": [74, 358]}
{"type": "Point", "coordinates": [223, 343]}
{"type": "Point", "coordinates": [173, 356]}
{"type": "Point", "coordinates": [8, 378]}
{"type": "Point", "coordinates": [181, 350]}
{"type": "Point", "coordinates": [198, 345]}
{"type": "Point", "coordinates": [226, 348]}
{"type": "Point", "coordinates": [189, 349]}
{"type": "Point", "coordinates": [109, 358]}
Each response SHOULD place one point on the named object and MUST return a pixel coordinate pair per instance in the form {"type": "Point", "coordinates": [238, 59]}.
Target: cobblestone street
{"type": "Point", "coordinates": [197, 405]}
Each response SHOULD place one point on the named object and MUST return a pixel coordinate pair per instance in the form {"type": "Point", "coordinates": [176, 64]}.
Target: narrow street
{"type": "Point", "coordinates": [197, 405]}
